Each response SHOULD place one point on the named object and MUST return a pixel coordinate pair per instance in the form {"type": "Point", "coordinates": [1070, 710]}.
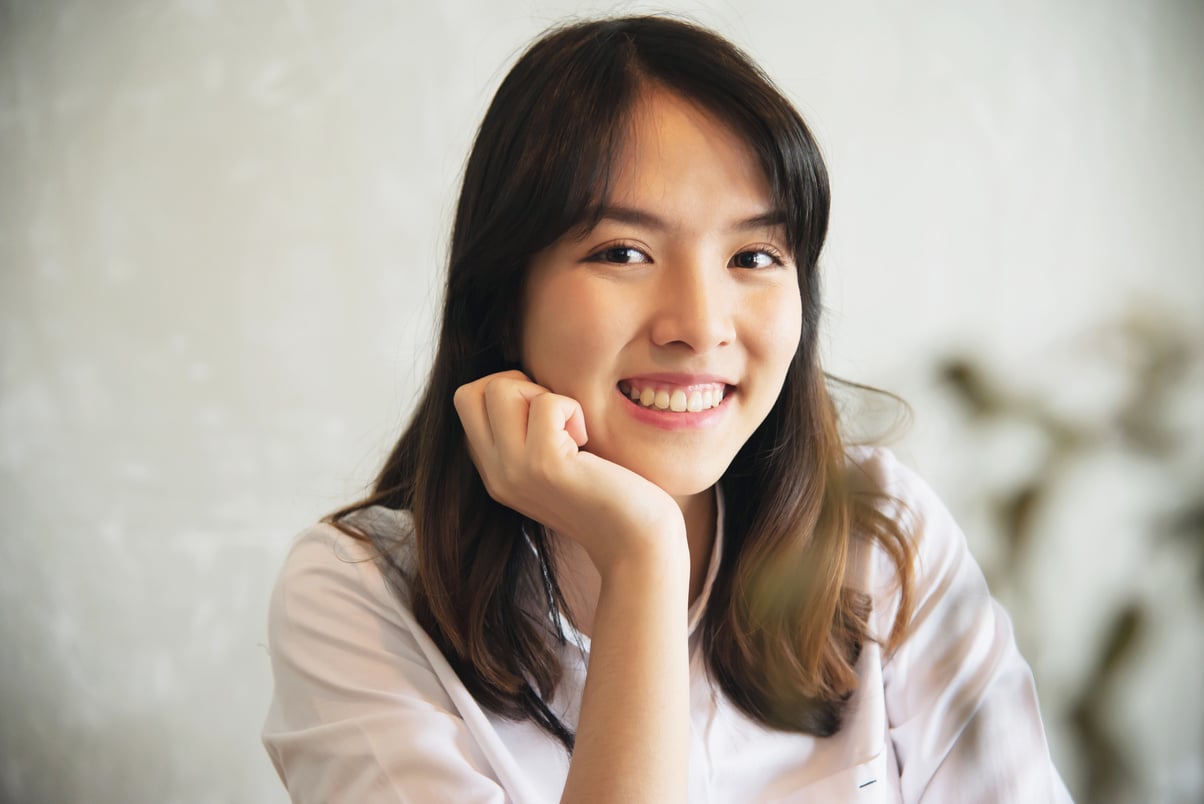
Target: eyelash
{"type": "Point", "coordinates": [775, 257]}
{"type": "Point", "coordinates": [602, 255]}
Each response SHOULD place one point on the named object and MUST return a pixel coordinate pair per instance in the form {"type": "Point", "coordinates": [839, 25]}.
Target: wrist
{"type": "Point", "coordinates": [659, 562]}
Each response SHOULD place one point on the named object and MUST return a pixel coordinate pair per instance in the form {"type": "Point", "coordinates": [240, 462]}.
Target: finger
{"type": "Point", "coordinates": [559, 418]}
{"type": "Point", "coordinates": [507, 400]}
{"type": "Point", "coordinates": [469, 401]}
{"type": "Point", "coordinates": [574, 424]}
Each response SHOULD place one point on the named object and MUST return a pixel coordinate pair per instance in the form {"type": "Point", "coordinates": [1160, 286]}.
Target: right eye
{"type": "Point", "coordinates": [620, 255]}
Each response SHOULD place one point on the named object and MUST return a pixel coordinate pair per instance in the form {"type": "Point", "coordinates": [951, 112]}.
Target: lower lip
{"type": "Point", "coordinates": [669, 420]}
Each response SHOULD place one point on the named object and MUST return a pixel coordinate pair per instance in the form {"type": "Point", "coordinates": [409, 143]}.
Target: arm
{"type": "Point", "coordinates": [633, 732]}
{"type": "Point", "coordinates": [961, 700]}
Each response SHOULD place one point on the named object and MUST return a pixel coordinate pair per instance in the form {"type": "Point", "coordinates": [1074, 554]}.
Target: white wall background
{"type": "Point", "coordinates": [221, 231]}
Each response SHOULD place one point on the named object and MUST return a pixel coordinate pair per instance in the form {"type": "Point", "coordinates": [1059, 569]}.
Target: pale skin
{"type": "Point", "coordinates": [686, 285]}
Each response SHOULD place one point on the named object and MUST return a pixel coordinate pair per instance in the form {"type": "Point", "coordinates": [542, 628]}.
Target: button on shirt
{"type": "Point", "coordinates": [366, 708]}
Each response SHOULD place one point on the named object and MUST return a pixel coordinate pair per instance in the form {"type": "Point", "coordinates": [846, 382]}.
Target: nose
{"type": "Point", "coordinates": [695, 308]}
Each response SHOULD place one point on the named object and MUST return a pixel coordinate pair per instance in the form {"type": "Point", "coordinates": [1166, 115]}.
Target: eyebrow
{"type": "Point", "coordinates": [649, 220]}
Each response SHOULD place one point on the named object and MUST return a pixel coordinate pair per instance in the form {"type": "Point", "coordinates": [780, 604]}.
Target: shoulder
{"type": "Point", "coordinates": [937, 547]}
{"type": "Point", "coordinates": [362, 696]}
{"type": "Point", "coordinates": [340, 625]}
{"type": "Point", "coordinates": [874, 469]}
{"type": "Point", "coordinates": [900, 494]}
{"type": "Point", "coordinates": [327, 569]}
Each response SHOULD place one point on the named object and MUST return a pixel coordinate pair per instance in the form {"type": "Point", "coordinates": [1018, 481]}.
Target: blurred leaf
{"type": "Point", "coordinates": [1158, 359]}
{"type": "Point", "coordinates": [1016, 513]}
{"type": "Point", "coordinates": [1187, 527]}
{"type": "Point", "coordinates": [1108, 771]}
{"type": "Point", "coordinates": [964, 378]}
{"type": "Point", "coordinates": [1128, 626]}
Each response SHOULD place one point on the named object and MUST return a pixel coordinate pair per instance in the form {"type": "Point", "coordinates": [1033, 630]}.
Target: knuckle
{"type": "Point", "coordinates": [544, 404]}
{"type": "Point", "coordinates": [495, 388]}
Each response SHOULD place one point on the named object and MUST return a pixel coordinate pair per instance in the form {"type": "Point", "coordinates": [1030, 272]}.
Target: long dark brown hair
{"type": "Point", "coordinates": [781, 632]}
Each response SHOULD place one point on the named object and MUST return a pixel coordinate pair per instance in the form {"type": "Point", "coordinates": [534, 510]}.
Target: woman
{"type": "Point", "coordinates": [621, 552]}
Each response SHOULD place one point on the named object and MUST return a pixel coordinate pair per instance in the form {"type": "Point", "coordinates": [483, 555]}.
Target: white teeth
{"type": "Point", "coordinates": [678, 400]}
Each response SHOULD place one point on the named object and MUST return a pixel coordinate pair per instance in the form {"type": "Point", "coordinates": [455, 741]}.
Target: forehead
{"type": "Point", "coordinates": [678, 154]}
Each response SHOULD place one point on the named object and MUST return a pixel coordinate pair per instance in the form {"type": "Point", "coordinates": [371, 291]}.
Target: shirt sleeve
{"type": "Point", "coordinates": [359, 713]}
{"type": "Point", "coordinates": [961, 701]}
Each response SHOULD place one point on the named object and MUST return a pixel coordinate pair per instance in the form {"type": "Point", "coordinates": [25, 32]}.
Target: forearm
{"type": "Point", "coordinates": [633, 732]}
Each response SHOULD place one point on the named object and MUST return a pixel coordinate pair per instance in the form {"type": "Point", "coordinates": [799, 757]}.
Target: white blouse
{"type": "Point", "coordinates": [366, 708]}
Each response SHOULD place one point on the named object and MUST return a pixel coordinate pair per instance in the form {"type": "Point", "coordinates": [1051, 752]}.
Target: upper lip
{"type": "Point", "coordinates": [672, 378]}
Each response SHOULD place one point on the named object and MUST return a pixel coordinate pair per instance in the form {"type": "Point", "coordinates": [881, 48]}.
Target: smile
{"type": "Point", "coordinates": [676, 399]}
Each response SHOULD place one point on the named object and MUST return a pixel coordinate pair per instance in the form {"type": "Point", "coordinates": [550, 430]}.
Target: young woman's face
{"type": "Point", "coordinates": [673, 321]}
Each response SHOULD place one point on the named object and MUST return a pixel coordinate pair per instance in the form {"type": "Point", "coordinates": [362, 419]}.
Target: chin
{"type": "Point", "coordinates": [681, 481]}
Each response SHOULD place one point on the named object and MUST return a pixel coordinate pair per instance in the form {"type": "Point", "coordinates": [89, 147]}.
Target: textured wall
{"type": "Point", "coordinates": [221, 226]}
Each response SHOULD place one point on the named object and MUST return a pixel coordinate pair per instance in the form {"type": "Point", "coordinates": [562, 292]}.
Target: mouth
{"type": "Point", "coordinates": [668, 397]}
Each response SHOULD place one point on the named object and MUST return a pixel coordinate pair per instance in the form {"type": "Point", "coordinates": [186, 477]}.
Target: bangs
{"type": "Point", "coordinates": [788, 159]}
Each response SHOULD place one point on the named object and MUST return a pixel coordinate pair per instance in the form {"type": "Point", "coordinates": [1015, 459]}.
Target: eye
{"type": "Point", "coordinates": [756, 258]}
{"type": "Point", "coordinates": [620, 255]}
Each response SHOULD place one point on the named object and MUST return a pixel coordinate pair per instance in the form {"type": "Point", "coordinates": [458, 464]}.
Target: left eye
{"type": "Point", "coordinates": [754, 259]}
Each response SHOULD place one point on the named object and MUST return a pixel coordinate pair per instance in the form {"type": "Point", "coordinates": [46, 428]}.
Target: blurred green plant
{"type": "Point", "coordinates": [1155, 357]}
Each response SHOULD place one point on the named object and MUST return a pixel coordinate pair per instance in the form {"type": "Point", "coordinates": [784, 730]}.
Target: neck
{"type": "Point", "coordinates": [699, 512]}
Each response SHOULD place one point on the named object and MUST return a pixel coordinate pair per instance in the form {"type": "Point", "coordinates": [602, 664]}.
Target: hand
{"type": "Point", "coordinates": [526, 443]}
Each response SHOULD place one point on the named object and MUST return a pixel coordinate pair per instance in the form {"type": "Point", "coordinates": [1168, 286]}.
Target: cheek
{"type": "Point", "coordinates": [775, 327]}
{"type": "Point", "coordinates": [563, 333]}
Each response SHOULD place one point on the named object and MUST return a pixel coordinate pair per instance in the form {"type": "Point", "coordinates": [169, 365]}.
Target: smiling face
{"type": "Point", "coordinates": [674, 320]}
